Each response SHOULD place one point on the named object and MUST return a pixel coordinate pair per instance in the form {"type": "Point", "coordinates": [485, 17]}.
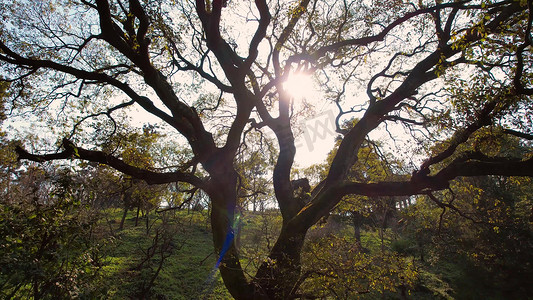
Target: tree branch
{"type": "Point", "coordinates": [73, 152]}
{"type": "Point", "coordinates": [440, 181]}
{"type": "Point", "coordinates": [460, 137]}
{"type": "Point", "coordinates": [425, 71]}
{"type": "Point", "coordinates": [380, 36]}
{"type": "Point", "coordinates": [258, 36]}
{"type": "Point", "coordinates": [523, 135]}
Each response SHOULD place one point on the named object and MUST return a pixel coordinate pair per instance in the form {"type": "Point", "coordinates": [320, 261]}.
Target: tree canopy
{"type": "Point", "coordinates": [454, 78]}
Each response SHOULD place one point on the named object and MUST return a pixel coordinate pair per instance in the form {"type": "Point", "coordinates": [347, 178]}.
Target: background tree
{"type": "Point", "coordinates": [48, 245]}
{"type": "Point", "coordinates": [479, 224]}
{"type": "Point", "coordinates": [92, 59]}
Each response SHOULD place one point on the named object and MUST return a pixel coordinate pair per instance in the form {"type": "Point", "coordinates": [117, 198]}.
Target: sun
{"type": "Point", "coordinates": [300, 86]}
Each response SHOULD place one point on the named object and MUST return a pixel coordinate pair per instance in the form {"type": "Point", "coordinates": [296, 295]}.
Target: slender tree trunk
{"type": "Point", "coordinates": [382, 226]}
{"type": "Point", "coordinates": [421, 250]}
{"type": "Point", "coordinates": [124, 214]}
{"type": "Point", "coordinates": [147, 222]}
{"type": "Point", "coordinates": [36, 294]}
{"type": "Point", "coordinates": [254, 204]}
{"type": "Point", "coordinates": [137, 215]}
{"type": "Point", "coordinates": [357, 221]}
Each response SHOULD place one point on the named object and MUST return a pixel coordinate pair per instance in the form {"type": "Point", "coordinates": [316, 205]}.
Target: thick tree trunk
{"type": "Point", "coordinates": [277, 277]}
{"type": "Point", "coordinates": [223, 195]}
{"type": "Point", "coordinates": [228, 260]}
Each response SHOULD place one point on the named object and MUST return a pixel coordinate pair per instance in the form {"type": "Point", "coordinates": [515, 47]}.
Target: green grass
{"type": "Point", "coordinates": [186, 273]}
{"type": "Point", "coordinates": [189, 273]}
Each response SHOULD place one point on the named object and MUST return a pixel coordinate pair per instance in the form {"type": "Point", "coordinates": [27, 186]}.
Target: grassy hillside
{"type": "Point", "coordinates": [187, 271]}
{"type": "Point", "coordinates": [170, 256]}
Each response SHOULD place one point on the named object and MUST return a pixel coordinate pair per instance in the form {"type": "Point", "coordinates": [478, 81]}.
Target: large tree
{"type": "Point", "coordinates": [214, 71]}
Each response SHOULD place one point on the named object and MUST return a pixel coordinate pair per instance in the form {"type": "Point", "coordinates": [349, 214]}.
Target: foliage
{"type": "Point", "coordinates": [336, 267]}
{"type": "Point", "coordinates": [470, 243]}
{"type": "Point", "coordinates": [48, 247]}
{"type": "Point", "coordinates": [257, 236]}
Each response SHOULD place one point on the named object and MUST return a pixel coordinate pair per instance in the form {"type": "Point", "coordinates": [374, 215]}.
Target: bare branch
{"type": "Point", "coordinates": [73, 152]}
{"type": "Point", "coordinates": [519, 134]}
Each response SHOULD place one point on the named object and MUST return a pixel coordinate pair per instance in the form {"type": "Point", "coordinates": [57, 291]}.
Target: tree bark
{"type": "Point", "coordinates": [222, 191]}
{"type": "Point", "coordinates": [279, 274]}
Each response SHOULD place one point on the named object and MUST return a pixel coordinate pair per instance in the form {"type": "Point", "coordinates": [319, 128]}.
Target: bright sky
{"type": "Point", "coordinates": [316, 135]}
{"type": "Point", "coordinates": [318, 131]}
